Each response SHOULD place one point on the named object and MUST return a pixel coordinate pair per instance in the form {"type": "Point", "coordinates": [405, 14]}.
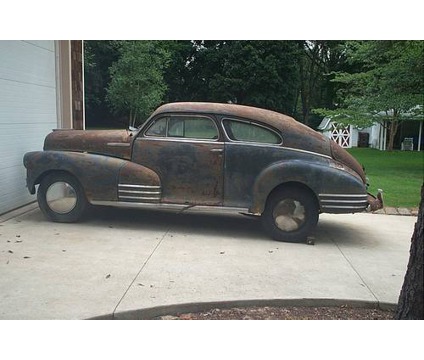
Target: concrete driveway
{"type": "Point", "coordinates": [135, 264]}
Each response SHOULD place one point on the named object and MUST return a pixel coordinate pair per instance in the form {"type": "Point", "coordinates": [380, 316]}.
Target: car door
{"type": "Point", "coordinates": [186, 151]}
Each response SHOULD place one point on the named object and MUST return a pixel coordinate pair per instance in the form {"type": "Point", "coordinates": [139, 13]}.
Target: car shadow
{"type": "Point", "coordinates": [216, 224]}
{"type": "Point", "coordinates": [346, 235]}
{"type": "Point", "coordinates": [213, 224]}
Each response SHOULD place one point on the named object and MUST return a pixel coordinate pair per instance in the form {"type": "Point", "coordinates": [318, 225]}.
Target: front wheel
{"type": "Point", "coordinates": [61, 197]}
{"type": "Point", "coordinates": [290, 214]}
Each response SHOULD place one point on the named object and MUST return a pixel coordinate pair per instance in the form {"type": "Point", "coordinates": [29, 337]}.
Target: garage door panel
{"type": "Point", "coordinates": [26, 103]}
{"type": "Point", "coordinates": [27, 112]}
{"type": "Point", "coordinates": [15, 141]}
{"type": "Point", "coordinates": [17, 193]}
{"type": "Point", "coordinates": [24, 62]}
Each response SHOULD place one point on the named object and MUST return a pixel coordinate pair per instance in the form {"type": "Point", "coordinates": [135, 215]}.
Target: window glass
{"type": "Point", "coordinates": [158, 128]}
{"type": "Point", "coordinates": [194, 127]}
{"type": "Point", "coordinates": [199, 128]}
{"type": "Point", "coordinates": [243, 131]}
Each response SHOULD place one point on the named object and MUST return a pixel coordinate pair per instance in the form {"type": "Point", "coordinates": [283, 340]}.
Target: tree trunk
{"type": "Point", "coordinates": [394, 125]}
{"type": "Point", "coordinates": [411, 299]}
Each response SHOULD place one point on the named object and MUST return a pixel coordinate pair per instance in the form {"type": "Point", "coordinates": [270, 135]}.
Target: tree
{"type": "Point", "coordinates": [137, 83]}
{"type": "Point", "coordinates": [385, 85]}
{"type": "Point", "coordinates": [411, 298]}
{"type": "Point", "coordinates": [98, 58]}
{"type": "Point", "coordinates": [257, 73]}
{"type": "Point", "coordinates": [319, 60]}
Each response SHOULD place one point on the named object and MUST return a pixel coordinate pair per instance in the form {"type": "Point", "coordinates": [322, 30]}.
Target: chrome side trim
{"type": "Point", "coordinates": [344, 195]}
{"type": "Point", "coordinates": [139, 193]}
{"type": "Point", "coordinates": [118, 144]}
{"type": "Point", "coordinates": [343, 207]}
{"type": "Point", "coordinates": [345, 201]}
{"type": "Point", "coordinates": [138, 197]}
{"type": "Point", "coordinates": [307, 152]}
{"type": "Point", "coordinates": [140, 186]}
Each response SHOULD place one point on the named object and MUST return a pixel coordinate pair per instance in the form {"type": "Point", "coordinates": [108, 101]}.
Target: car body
{"type": "Point", "coordinates": [205, 156]}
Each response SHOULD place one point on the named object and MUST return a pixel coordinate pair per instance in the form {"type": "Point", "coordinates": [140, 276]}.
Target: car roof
{"type": "Point", "coordinates": [269, 117]}
{"type": "Point", "coordinates": [294, 130]}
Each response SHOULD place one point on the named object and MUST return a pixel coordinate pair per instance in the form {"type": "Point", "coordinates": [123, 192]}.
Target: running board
{"type": "Point", "coordinates": [180, 207]}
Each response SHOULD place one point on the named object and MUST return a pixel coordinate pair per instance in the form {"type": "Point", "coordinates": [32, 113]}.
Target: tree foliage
{"type": "Point", "coordinates": [258, 73]}
{"type": "Point", "coordinates": [98, 58]}
{"type": "Point", "coordinates": [319, 61]}
{"type": "Point", "coordinates": [137, 83]}
{"type": "Point", "coordinates": [361, 82]}
{"type": "Point", "coordinates": [385, 84]}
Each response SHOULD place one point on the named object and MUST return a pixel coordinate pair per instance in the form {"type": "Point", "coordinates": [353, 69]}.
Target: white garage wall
{"type": "Point", "coordinates": [27, 112]}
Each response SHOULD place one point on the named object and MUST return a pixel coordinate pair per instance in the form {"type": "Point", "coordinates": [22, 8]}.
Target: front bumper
{"type": "Point", "coordinates": [375, 202]}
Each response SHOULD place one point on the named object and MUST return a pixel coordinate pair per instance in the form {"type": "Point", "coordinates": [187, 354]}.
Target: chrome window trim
{"type": "Point", "coordinates": [180, 140]}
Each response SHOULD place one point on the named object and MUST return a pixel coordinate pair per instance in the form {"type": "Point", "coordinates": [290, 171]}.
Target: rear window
{"type": "Point", "coordinates": [250, 132]}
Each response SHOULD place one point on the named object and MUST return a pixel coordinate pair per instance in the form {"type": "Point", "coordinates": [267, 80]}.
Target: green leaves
{"type": "Point", "coordinates": [385, 84]}
{"type": "Point", "coordinates": [137, 83]}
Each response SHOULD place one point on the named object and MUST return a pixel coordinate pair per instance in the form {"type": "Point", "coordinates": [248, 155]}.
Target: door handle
{"type": "Point", "coordinates": [217, 150]}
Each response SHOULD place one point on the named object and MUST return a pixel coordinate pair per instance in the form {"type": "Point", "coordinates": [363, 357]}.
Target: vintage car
{"type": "Point", "coordinates": [202, 156]}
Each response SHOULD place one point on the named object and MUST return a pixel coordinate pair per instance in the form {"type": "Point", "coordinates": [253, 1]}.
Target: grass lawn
{"type": "Point", "coordinates": [398, 173]}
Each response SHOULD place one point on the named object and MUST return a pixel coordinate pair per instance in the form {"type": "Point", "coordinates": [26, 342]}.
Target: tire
{"type": "Point", "coordinates": [290, 214]}
{"type": "Point", "coordinates": [61, 197]}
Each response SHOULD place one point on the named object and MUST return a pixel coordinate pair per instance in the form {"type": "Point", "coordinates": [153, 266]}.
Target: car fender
{"type": "Point", "coordinates": [320, 178]}
{"type": "Point", "coordinates": [98, 174]}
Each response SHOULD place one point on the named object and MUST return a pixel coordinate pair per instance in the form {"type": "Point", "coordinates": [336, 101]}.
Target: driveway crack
{"type": "Point", "coordinates": [141, 269]}
{"type": "Point", "coordinates": [357, 273]}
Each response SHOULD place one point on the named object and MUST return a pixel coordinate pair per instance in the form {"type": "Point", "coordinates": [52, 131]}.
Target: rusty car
{"type": "Point", "coordinates": [192, 155]}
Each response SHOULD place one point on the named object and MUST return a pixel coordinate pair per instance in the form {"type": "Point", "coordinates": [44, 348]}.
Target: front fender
{"type": "Point", "coordinates": [320, 178]}
{"type": "Point", "coordinates": [98, 174]}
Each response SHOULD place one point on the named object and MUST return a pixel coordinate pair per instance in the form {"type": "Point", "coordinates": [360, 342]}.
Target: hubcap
{"type": "Point", "coordinates": [289, 215]}
{"type": "Point", "coordinates": [61, 197]}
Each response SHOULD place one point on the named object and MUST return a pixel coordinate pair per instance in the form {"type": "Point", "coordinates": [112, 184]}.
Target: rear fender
{"type": "Point", "coordinates": [319, 178]}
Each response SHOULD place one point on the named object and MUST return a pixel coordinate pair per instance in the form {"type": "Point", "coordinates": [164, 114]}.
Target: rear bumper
{"type": "Point", "coordinates": [375, 202]}
{"type": "Point", "coordinates": [350, 203]}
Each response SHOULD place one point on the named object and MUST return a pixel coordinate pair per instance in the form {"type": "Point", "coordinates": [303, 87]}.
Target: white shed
{"type": "Point", "coordinates": [349, 136]}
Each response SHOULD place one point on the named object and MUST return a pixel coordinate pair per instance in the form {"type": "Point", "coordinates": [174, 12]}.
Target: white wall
{"type": "Point", "coordinates": [27, 112]}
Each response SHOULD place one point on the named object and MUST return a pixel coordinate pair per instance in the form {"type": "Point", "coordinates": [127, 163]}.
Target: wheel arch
{"type": "Point", "coordinates": [294, 185]}
{"type": "Point", "coordinates": [299, 174]}
{"type": "Point", "coordinates": [48, 172]}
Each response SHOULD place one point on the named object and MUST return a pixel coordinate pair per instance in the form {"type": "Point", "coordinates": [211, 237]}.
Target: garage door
{"type": "Point", "coordinates": [27, 112]}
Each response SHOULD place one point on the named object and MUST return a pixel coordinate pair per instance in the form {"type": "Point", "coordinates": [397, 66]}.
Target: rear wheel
{"type": "Point", "coordinates": [61, 197]}
{"type": "Point", "coordinates": [290, 214]}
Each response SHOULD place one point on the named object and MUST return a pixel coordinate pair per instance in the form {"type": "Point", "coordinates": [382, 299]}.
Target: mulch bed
{"type": "Point", "coordinates": [286, 313]}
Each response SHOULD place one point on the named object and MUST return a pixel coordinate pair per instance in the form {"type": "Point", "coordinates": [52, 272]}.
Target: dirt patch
{"type": "Point", "coordinates": [286, 313]}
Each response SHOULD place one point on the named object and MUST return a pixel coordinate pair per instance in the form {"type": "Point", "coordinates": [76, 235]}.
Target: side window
{"type": "Point", "coordinates": [189, 127]}
{"type": "Point", "coordinates": [158, 128]}
{"type": "Point", "coordinates": [249, 132]}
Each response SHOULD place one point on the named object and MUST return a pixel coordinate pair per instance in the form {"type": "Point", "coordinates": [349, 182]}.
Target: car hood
{"type": "Point", "coordinates": [115, 143]}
